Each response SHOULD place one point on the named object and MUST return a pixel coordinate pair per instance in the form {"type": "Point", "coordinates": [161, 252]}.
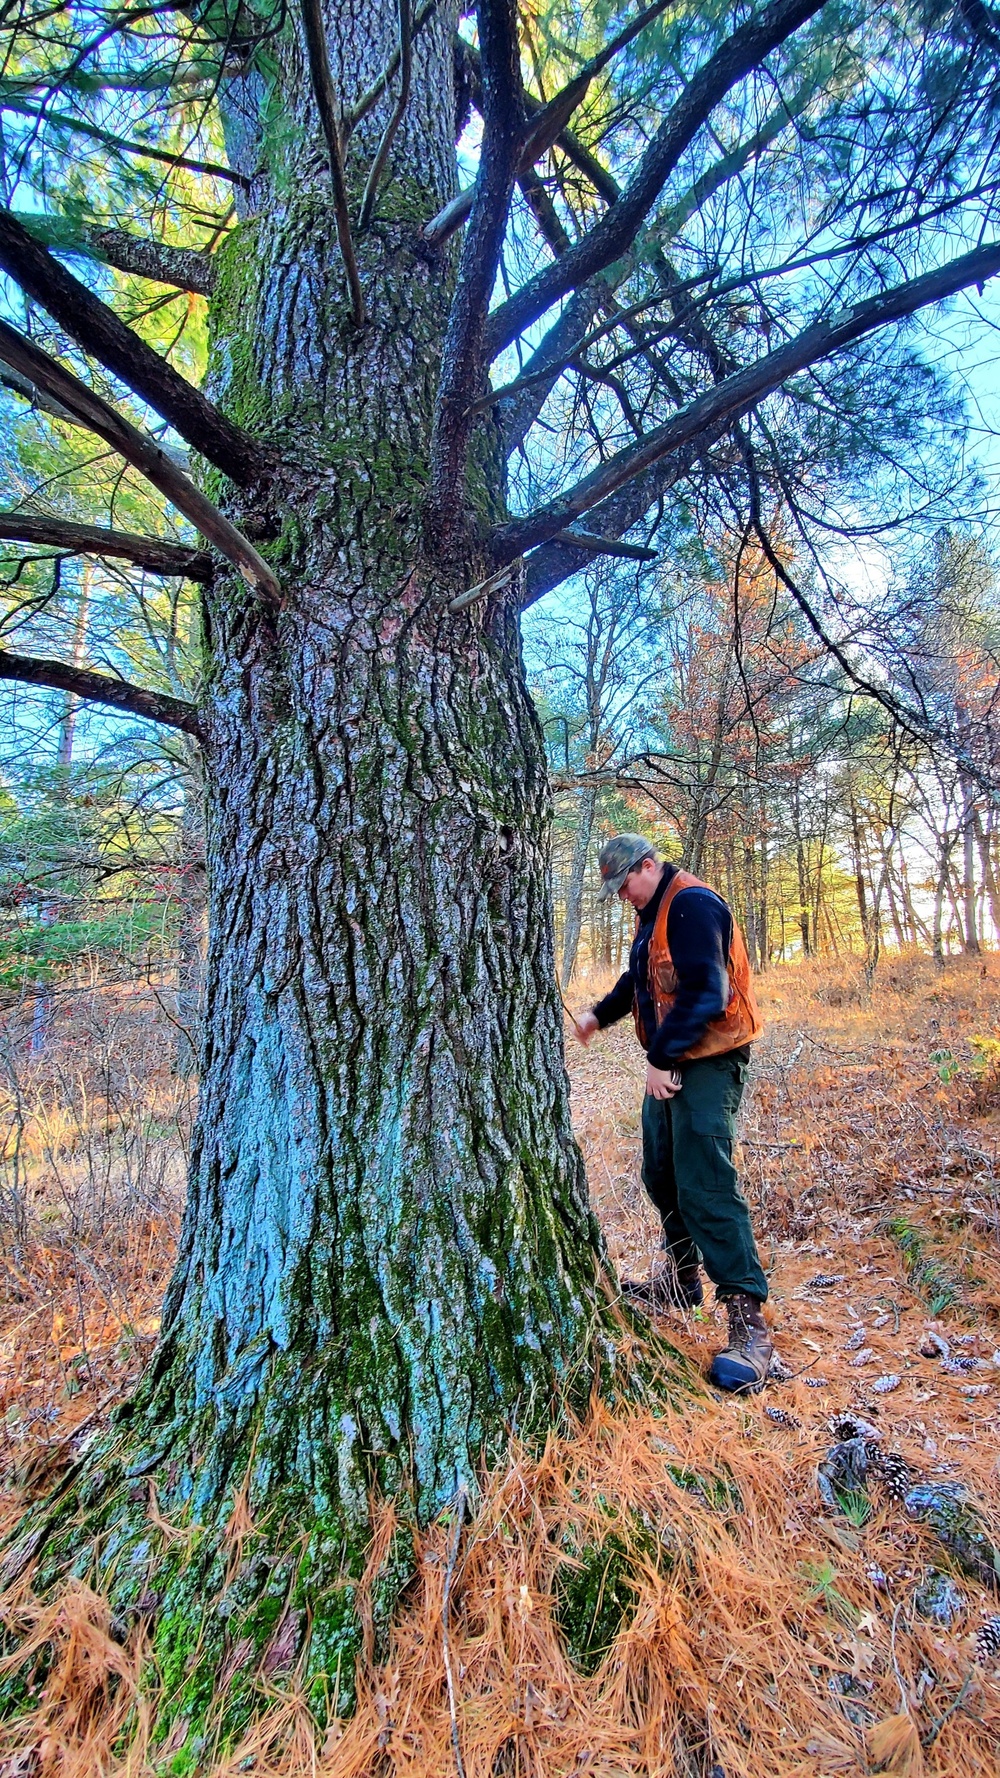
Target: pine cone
{"type": "Point", "coordinates": [780, 1418]}
{"type": "Point", "coordinates": [892, 1470]}
{"type": "Point", "coordinates": [988, 1641]}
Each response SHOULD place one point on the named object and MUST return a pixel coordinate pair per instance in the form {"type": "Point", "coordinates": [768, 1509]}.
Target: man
{"type": "Point", "coordinates": [689, 988]}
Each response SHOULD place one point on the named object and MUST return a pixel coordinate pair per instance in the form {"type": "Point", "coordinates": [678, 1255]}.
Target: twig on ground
{"type": "Point", "coordinates": [930, 1736]}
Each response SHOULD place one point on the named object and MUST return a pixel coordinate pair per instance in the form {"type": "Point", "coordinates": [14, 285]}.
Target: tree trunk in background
{"type": "Point", "coordinates": [750, 903]}
{"type": "Point", "coordinates": [890, 890]}
{"type": "Point", "coordinates": [989, 875]}
{"type": "Point", "coordinates": [859, 875]}
{"type": "Point", "coordinates": [192, 902]}
{"type": "Point", "coordinates": [971, 940]}
{"type": "Point", "coordinates": [916, 927]}
{"type": "Point", "coordinates": [800, 871]}
{"type": "Point", "coordinates": [577, 877]}
{"type": "Point", "coordinates": [67, 727]}
{"type": "Point", "coordinates": [387, 1254]}
{"type": "Point", "coordinates": [945, 844]}
{"type": "Point", "coordinates": [764, 903]}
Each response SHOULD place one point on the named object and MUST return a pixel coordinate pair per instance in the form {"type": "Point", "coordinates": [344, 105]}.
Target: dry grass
{"type": "Point", "coordinates": [92, 1136]}
{"type": "Point", "coordinates": [760, 1633]}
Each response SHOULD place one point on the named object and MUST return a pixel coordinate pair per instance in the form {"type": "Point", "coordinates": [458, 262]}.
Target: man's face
{"type": "Point", "coordinates": [641, 883]}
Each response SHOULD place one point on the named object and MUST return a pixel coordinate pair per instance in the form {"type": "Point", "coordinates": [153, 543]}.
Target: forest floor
{"type": "Point", "coordinates": [663, 1590]}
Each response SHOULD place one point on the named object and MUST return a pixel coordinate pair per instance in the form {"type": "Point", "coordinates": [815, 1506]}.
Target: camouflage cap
{"type": "Point", "coordinates": [618, 857]}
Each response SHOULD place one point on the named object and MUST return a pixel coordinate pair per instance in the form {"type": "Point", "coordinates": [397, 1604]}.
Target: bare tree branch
{"type": "Point", "coordinates": [388, 134]}
{"type": "Point", "coordinates": [99, 688]}
{"type": "Point", "coordinates": [328, 106]}
{"type": "Point", "coordinates": [142, 150]}
{"type": "Point", "coordinates": [738, 393]}
{"type": "Point", "coordinates": [614, 233]}
{"type": "Point", "coordinates": [99, 331]}
{"type": "Point", "coordinates": [153, 553]}
{"type": "Point", "coordinates": [462, 358]}
{"type": "Point", "coordinates": [605, 546]}
{"type": "Point", "coordinates": [138, 449]}
{"type": "Point", "coordinates": [185, 267]}
{"type": "Point", "coordinates": [558, 559]}
{"type": "Point", "coordinates": [547, 123]}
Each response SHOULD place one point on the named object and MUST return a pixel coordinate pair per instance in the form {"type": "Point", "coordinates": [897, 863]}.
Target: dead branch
{"type": "Point", "coordinates": [361, 108]}
{"type": "Point", "coordinates": [388, 134]}
{"type": "Point", "coordinates": [137, 448]}
{"type": "Point", "coordinates": [98, 330]}
{"type": "Point", "coordinates": [462, 358]}
{"type": "Point", "coordinates": [98, 688]}
{"type": "Point", "coordinates": [153, 553]}
{"type": "Point", "coordinates": [328, 106]}
{"type": "Point", "coordinates": [547, 121]}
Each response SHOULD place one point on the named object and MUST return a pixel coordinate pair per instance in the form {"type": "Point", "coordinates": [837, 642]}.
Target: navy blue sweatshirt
{"type": "Point", "coordinates": [699, 933]}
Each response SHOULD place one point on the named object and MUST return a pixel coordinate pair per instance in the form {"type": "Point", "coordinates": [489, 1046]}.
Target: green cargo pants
{"type": "Point", "coordinates": [687, 1169]}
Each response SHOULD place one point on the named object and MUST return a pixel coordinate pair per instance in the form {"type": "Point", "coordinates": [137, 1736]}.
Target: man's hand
{"type": "Point", "coordinates": [662, 1083]}
{"type": "Point", "coordinates": [586, 1027]}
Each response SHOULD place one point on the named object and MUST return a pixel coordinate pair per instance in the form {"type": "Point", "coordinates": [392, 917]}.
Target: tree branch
{"type": "Point", "coordinates": [60, 121]}
{"type": "Point", "coordinates": [605, 546]}
{"type": "Point", "coordinates": [98, 688]}
{"type": "Point", "coordinates": [99, 332]}
{"type": "Point", "coordinates": [388, 134]}
{"type": "Point", "coordinates": [138, 449]}
{"type": "Point", "coordinates": [328, 106]}
{"type": "Point", "coordinates": [547, 123]}
{"type": "Point", "coordinates": [558, 559]}
{"type": "Point", "coordinates": [522, 402]}
{"type": "Point", "coordinates": [153, 553]}
{"type": "Point", "coordinates": [736, 394]}
{"type": "Point", "coordinates": [614, 233]}
{"type": "Point", "coordinates": [185, 267]}
{"type": "Point", "coordinates": [462, 358]}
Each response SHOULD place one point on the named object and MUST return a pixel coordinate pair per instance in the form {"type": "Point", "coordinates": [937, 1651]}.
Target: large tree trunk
{"type": "Point", "coordinates": [387, 1255]}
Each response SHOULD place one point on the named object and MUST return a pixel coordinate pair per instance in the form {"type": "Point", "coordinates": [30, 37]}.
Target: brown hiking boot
{"type": "Point", "coordinates": [672, 1287]}
{"type": "Point", "coordinates": [742, 1368]}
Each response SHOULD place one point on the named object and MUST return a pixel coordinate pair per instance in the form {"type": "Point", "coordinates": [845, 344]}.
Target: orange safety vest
{"type": "Point", "coordinates": [741, 1021]}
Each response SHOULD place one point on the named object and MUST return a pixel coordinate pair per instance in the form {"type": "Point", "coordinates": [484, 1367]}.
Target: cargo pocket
{"type": "Point", "coordinates": [712, 1120]}
{"type": "Point", "coordinates": [713, 1112]}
